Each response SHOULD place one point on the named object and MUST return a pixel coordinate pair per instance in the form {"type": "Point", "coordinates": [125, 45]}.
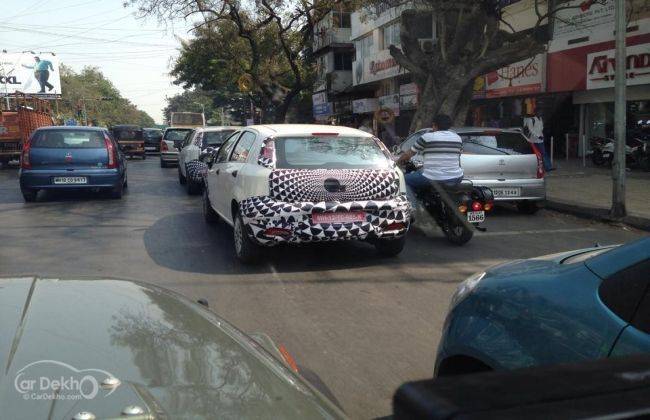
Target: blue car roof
{"type": "Point", "coordinates": [611, 262]}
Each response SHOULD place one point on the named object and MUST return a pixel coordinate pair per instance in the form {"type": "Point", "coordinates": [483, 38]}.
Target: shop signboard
{"type": "Point", "coordinates": [578, 18]}
{"type": "Point", "coordinates": [319, 98]}
{"type": "Point", "coordinates": [35, 74]}
{"type": "Point", "coordinates": [323, 110]}
{"type": "Point", "coordinates": [408, 96]}
{"type": "Point", "coordinates": [365, 106]}
{"type": "Point", "coordinates": [525, 77]}
{"type": "Point", "coordinates": [377, 67]}
{"type": "Point", "coordinates": [390, 102]}
{"type": "Point", "coordinates": [601, 67]}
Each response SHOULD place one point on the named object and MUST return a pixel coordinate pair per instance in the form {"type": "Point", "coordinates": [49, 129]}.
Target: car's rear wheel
{"type": "Point", "coordinates": [29, 195]}
{"type": "Point", "coordinates": [193, 187]}
{"type": "Point", "coordinates": [527, 207]}
{"type": "Point", "coordinates": [209, 214]}
{"type": "Point", "coordinates": [117, 191]}
{"type": "Point", "coordinates": [390, 247]}
{"type": "Point", "coordinates": [162, 164]}
{"type": "Point", "coordinates": [181, 178]}
{"type": "Point", "coordinates": [144, 156]}
{"type": "Point", "coordinates": [246, 250]}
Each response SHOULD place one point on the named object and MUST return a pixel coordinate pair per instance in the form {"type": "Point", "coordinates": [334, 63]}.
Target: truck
{"type": "Point", "coordinates": [19, 117]}
{"type": "Point", "coordinates": [187, 119]}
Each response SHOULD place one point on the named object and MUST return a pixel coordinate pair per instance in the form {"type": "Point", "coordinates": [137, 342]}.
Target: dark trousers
{"type": "Point", "coordinates": [42, 76]}
{"type": "Point", "coordinates": [417, 182]}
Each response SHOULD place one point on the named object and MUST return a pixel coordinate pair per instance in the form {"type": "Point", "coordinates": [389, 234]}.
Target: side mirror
{"type": "Point", "coordinates": [208, 155]}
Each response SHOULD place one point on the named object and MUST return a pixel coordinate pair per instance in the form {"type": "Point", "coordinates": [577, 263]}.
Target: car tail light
{"type": "Point", "coordinates": [24, 156]}
{"type": "Point", "coordinates": [462, 208]}
{"type": "Point", "coordinates": [477, 206]}
{"type": "Point", "coordinates": [277, 232]}
{"type": "Point", "coordinates": [395, 226]}
{"type": "Point", "coordinates": [488, 206]}
{"type": "Point", "coordinates": [288, 358]}
{"type": "Point", "coordinates": [163, 146]}
{"type": "Point", "coordinates": [112, 153]}
{"type": "Point", "coordinates": [540, 162]}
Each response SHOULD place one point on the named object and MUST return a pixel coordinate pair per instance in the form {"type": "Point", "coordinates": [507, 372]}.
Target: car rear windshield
{"type": "Point", "coordinates": [216, 138]}
{"type": "Point", "coordinates": [127, 134]}
{"type": "Point", "coordinates": [495, 144]}
{"type": "Point", "coordinates": [329, 152]}
{"type": "Point", "coordinates": [68, 139]}
{"type": "Point", "coordinates": [176, 134]}
{"type": "Point", "coordinates": [151, 134]}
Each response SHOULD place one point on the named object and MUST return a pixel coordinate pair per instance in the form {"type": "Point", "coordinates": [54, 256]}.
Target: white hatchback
{"type": "Point", "coordinates": [295, 183]}
{"type": "Point", "coordinates": [200, 140]}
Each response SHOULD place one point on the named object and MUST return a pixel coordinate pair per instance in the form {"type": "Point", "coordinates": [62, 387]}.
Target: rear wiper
{"type": "Point", "coordinates": [488, 147]}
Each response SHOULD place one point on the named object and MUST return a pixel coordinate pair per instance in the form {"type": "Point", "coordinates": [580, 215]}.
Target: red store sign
{"type": "Point", "coordinates": [592, 67]}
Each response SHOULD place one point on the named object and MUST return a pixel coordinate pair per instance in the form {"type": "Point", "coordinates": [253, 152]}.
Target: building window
{"type": "Point", "coordinates": [391, 34]}
{"type": "Point", "coordinates": [342, 61]}
{"type": "Point", "coordinates": [364, 47]}
{"type": "Point", "coordinates": [341, 20]}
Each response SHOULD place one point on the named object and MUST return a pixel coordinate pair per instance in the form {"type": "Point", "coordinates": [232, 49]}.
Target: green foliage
{"type": "Point", "coordinates": [104, 104]}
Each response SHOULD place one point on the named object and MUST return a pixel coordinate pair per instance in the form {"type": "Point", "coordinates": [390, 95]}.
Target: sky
{"type": "Point", "coordinates": [134, 54]}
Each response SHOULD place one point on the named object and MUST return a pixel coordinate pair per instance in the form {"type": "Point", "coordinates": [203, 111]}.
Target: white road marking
{"type": "Point", "coordinates": [535, 232]}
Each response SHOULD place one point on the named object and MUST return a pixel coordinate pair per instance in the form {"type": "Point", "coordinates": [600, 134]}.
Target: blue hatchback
{"type": "Point", "coordinates": [562, 308]}
{"type": "Point", "coordinates": [71, 158]}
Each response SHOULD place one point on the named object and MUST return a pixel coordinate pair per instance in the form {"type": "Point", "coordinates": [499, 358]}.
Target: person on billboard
{"type": "Point", "coordinates": [42, 73]}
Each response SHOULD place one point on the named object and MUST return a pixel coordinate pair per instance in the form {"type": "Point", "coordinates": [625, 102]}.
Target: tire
{"type": "Point", "coordinates": [162, 164]}
{"type": "Point", "coordinates": [182, 179]}
{"type": "Point", "coordinates": [116, 193]}
{"type": "Point", "coordinates": [126, 181]}
{"type": "Point", "coordinates": [210, 216]}
{"type": "Point", "coordinates": [527, 207]}
{"type": "Point", "coordinates": [29, 195]}
{"type": "Point", "coordinates": [598, 159]}
{"type": "Point", "coordinates": [144, 156]}
{"type": "Point", "coordinates": [457, 234]}
{"type": "Point", "coordinates": [390, 247]}
{"type": "Point", "coordinates": [193, 187]}
{"type": "Point", "coordinates": [246, 250]}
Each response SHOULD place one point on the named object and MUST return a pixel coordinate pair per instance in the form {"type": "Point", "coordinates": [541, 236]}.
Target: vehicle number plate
{"type": "Point", "coordinates": [339, 217]}
{"type": "Point", "coordinates": [70, 180]}
{"type": "Point", "coordinates": [475, 216]}
{"type": "Point", "coordinates": [506, 192]}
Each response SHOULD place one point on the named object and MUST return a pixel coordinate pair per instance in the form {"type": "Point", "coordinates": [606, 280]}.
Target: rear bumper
{"type": "Point", "coordinates": [44, 178]}
{"type": "Point", "coordinates": [531, 189]}
{"type": "Point", "coordinates": [262, 213]}
{"type": "Point", "coordinates": [169, 156]}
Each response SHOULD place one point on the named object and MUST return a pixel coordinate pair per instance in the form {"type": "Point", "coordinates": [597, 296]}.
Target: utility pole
{"type": "Point", "coordinates": [620, 107]}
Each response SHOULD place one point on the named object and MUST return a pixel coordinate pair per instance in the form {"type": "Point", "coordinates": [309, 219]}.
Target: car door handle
{"type": "Point", "coordinates": [234, 174]}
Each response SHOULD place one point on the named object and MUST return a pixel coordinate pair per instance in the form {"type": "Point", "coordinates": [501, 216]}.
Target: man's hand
{"type": "Point", "coordinates": [405, 157]}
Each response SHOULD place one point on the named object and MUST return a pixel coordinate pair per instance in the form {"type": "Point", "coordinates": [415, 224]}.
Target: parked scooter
{"type": "Point", "coordinates": [457, 210]}
{"type": "Point", "coordinates": [603, 151]}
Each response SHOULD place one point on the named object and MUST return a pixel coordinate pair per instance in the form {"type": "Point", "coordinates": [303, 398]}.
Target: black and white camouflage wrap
{"type": "Point", "coordinates": [262, 213]}
{"type": "Point", "coordinates": [308, 185]}
{"type": "Point", "coordinates": [196, 171]}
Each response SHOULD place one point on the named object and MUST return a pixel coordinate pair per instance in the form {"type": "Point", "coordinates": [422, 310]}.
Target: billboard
{"type": "Point", "coordinates": [36, 74]}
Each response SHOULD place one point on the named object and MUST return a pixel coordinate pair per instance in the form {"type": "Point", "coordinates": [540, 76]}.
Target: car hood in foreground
{"type": "Point", "coordinates": [173, 358]}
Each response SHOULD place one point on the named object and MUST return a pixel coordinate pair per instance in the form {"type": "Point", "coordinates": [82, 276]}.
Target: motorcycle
{"type": "Point", "coordinates": [458, 210]}
{"type": "Point", "coordinates": [603, 151]}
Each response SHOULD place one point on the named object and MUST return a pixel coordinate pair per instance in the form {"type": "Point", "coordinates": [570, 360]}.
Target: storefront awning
{"type": "Point", "coordinates": [634, 93]}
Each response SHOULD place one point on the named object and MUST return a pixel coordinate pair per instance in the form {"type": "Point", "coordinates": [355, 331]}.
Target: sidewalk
{"type": "Point", "coordinates": [587, 191]}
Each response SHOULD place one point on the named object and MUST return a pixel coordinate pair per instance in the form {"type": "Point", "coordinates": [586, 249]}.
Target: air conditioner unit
{"type": "Point", "coordinates": [427, 45]}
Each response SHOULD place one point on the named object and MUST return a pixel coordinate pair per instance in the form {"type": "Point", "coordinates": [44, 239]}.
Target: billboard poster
{"type": "Point", "coordinates": [35, 74]}
{"type": "Point", "coordinates": [601, 70]}
{"type": "Point", "coordinates": [578, 18]}
{"type": "Point", "coordinates": [522, 78]}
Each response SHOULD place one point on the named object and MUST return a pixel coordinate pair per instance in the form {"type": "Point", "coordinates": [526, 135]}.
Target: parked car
{"type": "Point", "coordinates": [130, 139]}
{"type": "Point", "coordinates": [296, 183]}
{"type": "Point", "coordinates": [170, 144]}
{"type": "Point", "coordinates": [502, 160]}
{"type": "Point", "coordinates": [562, 308]}
{"type": "Point", "coordinates": [152, 138]}
{"type": "Point", "coordinates": [129, 348]}
{"type": "Point", "coordinates": [56, 158]}
{"type": "Point", "coordinates": [201, 139]}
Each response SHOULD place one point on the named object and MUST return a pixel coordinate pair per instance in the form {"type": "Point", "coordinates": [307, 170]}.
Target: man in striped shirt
{"type": "Point", "coordinates": [441, 151]}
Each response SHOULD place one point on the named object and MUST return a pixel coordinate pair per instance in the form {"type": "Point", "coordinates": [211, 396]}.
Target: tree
{"type": "Point", "coordinates": [260, 47]}
{"type": "Point", "coordinates": [472, 39]}
{"type": "Point", "coordinates": [90, 92]}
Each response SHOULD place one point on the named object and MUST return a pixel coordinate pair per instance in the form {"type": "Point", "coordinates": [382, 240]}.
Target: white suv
{"type": "Point", "coordinates": [200, 140]}
{"type": "Point", "coordinates": [306, 183]}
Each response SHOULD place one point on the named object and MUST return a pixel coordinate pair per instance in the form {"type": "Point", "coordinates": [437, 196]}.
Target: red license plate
{"type": "Point", "coordinates": [339, 217]}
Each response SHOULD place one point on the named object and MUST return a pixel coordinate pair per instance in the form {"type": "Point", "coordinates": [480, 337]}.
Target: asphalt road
{"type": "Point", "coordinates": [363, 324]}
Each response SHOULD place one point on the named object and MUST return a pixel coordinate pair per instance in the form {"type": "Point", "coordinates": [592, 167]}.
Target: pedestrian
{"type": "Point", "coordinates": [534, 132]}
{"type": "Point", "coordinates": [42, 73]}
